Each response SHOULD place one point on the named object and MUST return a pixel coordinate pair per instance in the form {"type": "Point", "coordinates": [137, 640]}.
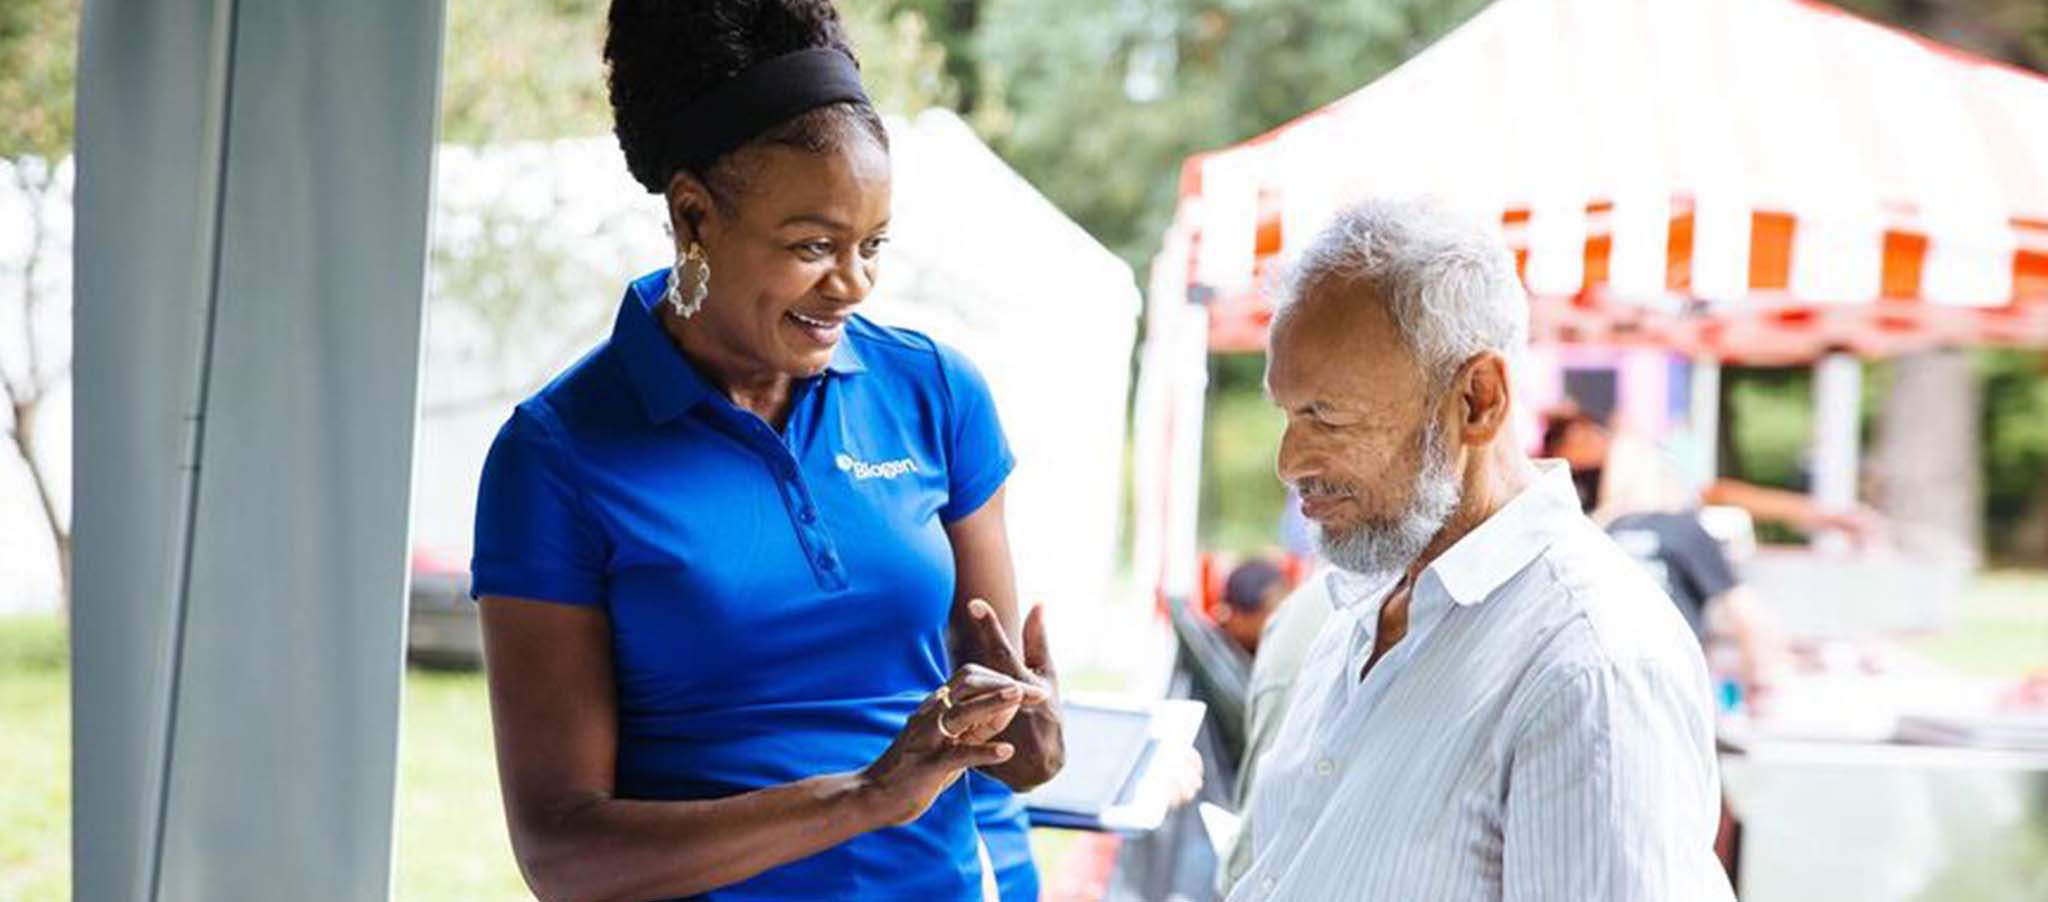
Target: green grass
{"type": "Point", "coordinates": [2000, 627]}
{"type": "Point", "coordinates": [451, 826]}
{"type": "Point", "coordinates": [451, 830]}
{"type": "Point", "coordinates": [35, 759]}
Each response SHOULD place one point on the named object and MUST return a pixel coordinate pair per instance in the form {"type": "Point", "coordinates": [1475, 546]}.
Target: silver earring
{"type": "Point", "coordinates": [695, 270]}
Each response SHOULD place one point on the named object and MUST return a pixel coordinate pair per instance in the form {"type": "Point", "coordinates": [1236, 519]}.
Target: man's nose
{"type": "Point", "coordinates": [1292, 463]}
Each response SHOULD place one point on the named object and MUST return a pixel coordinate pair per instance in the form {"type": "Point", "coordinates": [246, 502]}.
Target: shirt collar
{"type": "Point", "coordinates": [1484, 559]}
{"type": "Point", "coordinates": [668, 385]}
{"type": "Point", "coordinates": [1491, 554]}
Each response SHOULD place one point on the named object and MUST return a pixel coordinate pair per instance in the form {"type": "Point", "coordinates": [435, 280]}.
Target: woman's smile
{"type": "Point", "coordinates": [822, 331]}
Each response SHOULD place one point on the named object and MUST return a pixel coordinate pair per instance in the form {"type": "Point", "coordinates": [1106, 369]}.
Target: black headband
{"type": "Point", "coordinates": [763, 96]}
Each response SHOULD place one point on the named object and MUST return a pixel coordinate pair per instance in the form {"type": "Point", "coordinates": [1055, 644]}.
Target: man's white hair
{"type": "Point", "coordinates": [1449, 285]}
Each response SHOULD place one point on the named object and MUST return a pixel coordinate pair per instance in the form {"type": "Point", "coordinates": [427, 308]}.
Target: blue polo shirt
{"type": "Point", "coordinates": [778, 599]}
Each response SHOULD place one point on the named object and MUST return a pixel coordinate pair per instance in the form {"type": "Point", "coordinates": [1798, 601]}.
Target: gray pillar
{"type": "Point", "coordinates": [251, 248]}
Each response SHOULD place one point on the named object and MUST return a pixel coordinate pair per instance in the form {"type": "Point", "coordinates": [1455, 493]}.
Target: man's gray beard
{"type": "Point", "coordinates": [1379, 549]}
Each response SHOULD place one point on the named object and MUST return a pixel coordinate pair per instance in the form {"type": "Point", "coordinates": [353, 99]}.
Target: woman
{"type": "Point", "coordinates": [720, 558]}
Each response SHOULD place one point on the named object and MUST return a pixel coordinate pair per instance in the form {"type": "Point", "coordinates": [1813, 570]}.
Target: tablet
{"type": "Point", "coordinates": [1107, 749]}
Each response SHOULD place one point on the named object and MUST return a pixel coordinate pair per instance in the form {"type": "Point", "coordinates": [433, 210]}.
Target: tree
{"type": "Point", "coordinates": [1099, 103]}
{"type": "Point", "coordinates": [38, 47]}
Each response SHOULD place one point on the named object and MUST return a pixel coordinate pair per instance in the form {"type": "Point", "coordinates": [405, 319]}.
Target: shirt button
{"type": "Point", "coordinates": [828, 561]}
{"type": "Point", "coordinates": [1325, 767]}
{"type": "Point", "coordinates": [1268, 885]}
{"type": "Point", "coordinates": [808, 515]}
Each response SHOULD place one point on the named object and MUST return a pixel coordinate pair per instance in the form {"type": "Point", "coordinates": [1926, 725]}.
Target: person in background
{"type": "Point", "coordinates": [1285, 641]}
{"type": "Point", "coordinates": [1251, 594]}
{"type": "Point", "coordinates": [1588, 447]}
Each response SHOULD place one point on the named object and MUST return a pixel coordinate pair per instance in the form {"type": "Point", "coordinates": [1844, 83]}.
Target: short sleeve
{"type": "Point", "coordinates": [978, 457]}
{"type": "Point", "coordinates": [535, 538]}
{"type": "Point", "coordinates": [1706, 565]}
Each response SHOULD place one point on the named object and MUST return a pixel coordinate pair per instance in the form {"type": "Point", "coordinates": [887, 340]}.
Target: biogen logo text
{"type": "Point", "coordinates": [862, 471]}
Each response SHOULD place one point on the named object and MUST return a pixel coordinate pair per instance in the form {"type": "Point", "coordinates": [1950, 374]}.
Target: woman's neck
{"type": "Point", "coordinates": [747, 384]}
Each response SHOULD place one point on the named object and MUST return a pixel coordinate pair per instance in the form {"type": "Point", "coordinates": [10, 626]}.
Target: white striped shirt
{"type": "Point", "coordinates": [1544, 730]}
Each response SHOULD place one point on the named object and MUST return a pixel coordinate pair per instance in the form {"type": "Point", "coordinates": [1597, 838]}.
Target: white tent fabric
{"type": "Point", "coordinates": [979, 259]}
{"type": "Point", "coordinates": [1761, 180]}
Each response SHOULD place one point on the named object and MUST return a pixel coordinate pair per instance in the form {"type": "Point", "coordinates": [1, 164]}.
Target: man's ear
{"type": "Point", "coordinates": [1483, 393]}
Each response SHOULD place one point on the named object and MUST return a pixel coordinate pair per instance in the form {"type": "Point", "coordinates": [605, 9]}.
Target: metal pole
{"type": "Point", "coordinates": [1837, 441]}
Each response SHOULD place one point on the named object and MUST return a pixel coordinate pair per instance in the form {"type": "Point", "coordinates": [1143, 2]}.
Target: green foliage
{"type": "Point", "coordinates": [901, 65]}
{"type": "Point", "coordinates": [38, 51]}
{"type": "Point", "coordinates": [523, 69]}
{"type": "Point", "coordinates": [1242, 498]}
{"type": "Point", "coordinates": [1099, 103]}
{"type": "Point", "coordinates": [527, 69]}
{"type": "Point", "coordinates": [2015, 31]}
{"type": "Point", "coordinates": [2015, 441]}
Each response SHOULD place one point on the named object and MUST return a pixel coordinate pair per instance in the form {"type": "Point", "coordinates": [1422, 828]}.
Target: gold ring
{"type": "Point", "coordinates": [945, 696]}
{"type": "Point", "coordinates": [949, 734]}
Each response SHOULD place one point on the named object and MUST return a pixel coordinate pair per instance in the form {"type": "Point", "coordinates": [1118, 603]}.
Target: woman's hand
{"type": "Point", "coordinates": [948, 734]}
{"type": "Point", "coordinates": [1037, 735]}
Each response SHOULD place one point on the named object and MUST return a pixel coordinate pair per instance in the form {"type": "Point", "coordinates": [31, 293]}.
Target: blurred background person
{"type": "Point", "coordinates": [1251, 594]}
{"type": "Point", "coordinates": [1589, 447]}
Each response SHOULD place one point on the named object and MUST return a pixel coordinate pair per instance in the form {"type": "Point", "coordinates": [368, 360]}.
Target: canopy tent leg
{"type": "Point", "coordinates": [1705, 416]}
{"type": "Point", "coordinates": [1837, 440]}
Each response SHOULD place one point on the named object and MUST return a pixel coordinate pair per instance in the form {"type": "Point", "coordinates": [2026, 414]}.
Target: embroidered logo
{"type": "Point", "coordinates": [862, 471]}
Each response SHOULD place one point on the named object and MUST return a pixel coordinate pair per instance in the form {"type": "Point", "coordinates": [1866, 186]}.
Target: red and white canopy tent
{"type": "Point", "coordinates": [1756, 181]}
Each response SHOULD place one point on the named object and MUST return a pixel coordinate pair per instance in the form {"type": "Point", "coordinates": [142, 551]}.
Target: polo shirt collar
{"type": "Point", "coordinates": [1482, 561]}
{"type": "Point", "coordinates": [667, 384]}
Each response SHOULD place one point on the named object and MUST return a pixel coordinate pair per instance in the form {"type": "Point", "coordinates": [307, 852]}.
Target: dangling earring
{"type": "Point", "coordinates": [695, 269]}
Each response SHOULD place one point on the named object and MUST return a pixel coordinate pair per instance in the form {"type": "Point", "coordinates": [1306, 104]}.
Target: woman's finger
{"type": "Point", "coordinates": [994, 643]}
{"type": "Point", "coordinates": [995, 707]}
{"type": "Point", "coordinates": [1037, 653]}
{"type": "Point", "coordinates": [967, 756]}
{"type": "Point", "coordinates": [979, 725]}
{"type": "Point", "coordinates": [971, 681]}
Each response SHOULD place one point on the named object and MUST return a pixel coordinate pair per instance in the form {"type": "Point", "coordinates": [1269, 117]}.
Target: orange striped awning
{"type": "Point", "coordinates": [1752, 180]}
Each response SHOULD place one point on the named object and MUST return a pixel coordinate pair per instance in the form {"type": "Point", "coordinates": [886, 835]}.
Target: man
{"type": "Point", "coordinates": [1502, 705]}
{"type": "Point", "coordinates": [1251, 593]}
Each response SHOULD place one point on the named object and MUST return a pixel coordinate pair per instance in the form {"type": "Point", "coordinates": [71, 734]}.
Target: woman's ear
{"type": "Point", "coordinates": [690, 204]}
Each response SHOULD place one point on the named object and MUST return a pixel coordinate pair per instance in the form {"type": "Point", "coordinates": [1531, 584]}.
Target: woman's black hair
{"type": "Point", "coordinates": [660, 55]}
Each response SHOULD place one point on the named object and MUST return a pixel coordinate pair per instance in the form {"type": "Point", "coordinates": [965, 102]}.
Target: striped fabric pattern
{"type": "Point", "coordinates": [1758, 180]}
{"type": "Point", "coordinates": [1542, 732]}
